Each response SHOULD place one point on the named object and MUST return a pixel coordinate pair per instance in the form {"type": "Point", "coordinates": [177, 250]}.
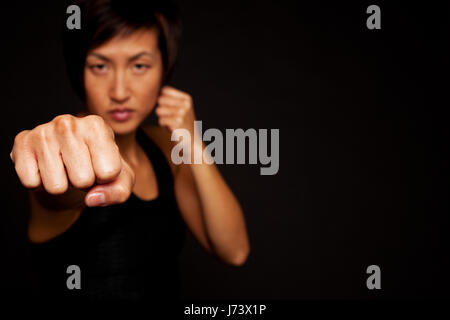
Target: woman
{"type": "Point", "coordinates": [105, 195]}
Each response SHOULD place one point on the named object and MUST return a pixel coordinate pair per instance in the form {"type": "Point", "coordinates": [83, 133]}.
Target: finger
{"type": "Point", "coordinates": [115, 192]}
{"type": "Point", "coordinates": [105, 155]}
{"type": "Point", "coordinates": [171, 91]}
{"type": "Point", "coordinates": [77, 160]}
{"type": "Point", "coordinates": [51, 167]}
{"type": "Point", "coordinates": [167, 111]}
{"type": "Point", "coordinates": [173, 102]}
{"type": "Point", "coordinates": [171, 122]}
{"type": "Point", "coordinates": [26, 168]}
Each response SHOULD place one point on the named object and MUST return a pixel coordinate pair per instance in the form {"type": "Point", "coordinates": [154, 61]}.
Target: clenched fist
{"type": "Point", "coordinates": [74, 152]}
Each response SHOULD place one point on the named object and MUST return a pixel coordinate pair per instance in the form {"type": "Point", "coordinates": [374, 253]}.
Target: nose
{"type": "Point", "coordinates": [119, 92]}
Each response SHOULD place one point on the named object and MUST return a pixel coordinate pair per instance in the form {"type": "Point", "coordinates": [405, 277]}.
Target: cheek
{"type": "Point", "coordinates": [95, 92]}
{"type": "Point", "coordinates": [148, 91]}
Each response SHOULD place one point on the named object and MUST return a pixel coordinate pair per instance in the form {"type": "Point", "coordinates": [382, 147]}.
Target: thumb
{"type": "Point", "coordinates": [114, 192]}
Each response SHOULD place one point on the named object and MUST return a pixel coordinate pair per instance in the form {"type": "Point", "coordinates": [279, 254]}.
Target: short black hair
{"type": "Point", "coordinates": [101, 20]}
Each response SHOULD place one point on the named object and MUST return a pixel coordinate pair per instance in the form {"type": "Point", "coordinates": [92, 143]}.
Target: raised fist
{"type": "Point", "coordinates": [77, 152]}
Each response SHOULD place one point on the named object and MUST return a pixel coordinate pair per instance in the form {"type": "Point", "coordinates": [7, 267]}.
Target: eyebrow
{"type": "Point", "coordinates": [135, 57]}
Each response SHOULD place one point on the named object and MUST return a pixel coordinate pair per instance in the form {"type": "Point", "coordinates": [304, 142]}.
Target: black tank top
{"type": "Point", "coordinates": [126, 252]}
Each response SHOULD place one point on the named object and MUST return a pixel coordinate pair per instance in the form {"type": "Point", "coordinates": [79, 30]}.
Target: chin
{"type": "Point", "coordinates": [124, 128]}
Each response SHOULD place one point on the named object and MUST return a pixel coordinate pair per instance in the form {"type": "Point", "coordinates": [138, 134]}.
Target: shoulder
{"type": "Point", "coordinates": [161, 137]}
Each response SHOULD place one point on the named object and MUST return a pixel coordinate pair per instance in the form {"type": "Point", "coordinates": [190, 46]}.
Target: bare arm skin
{"type": "Point", "coordinates": [208, 205]}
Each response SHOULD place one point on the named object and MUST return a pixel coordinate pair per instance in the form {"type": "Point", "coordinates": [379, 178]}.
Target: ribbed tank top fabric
{"type": "Point", "coordinates": [125, 252]}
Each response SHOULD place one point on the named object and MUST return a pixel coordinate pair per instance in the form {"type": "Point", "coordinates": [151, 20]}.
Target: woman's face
{"type": "Point", "coordinates": [122, 79]}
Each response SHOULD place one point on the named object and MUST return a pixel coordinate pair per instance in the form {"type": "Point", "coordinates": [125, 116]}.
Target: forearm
{"type": "Point", "coordinates": [69, 200]}
{"type": "Point", "coordinates": [51, 215]}
{"type": "Point", "coordinates": [222, 214]}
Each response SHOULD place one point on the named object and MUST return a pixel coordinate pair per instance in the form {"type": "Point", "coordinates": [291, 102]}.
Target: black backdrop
{"type": "Point", "coordinates": [364, 160]}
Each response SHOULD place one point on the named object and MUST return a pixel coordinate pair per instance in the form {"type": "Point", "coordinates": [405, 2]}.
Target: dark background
{"type": "Point", "coordinates": [364, 155]}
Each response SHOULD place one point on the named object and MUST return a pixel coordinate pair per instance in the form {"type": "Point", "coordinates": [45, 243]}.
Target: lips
{"type": "Point", "coordinates": [121, 114]}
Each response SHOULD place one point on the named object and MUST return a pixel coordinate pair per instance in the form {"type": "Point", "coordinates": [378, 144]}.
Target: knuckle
{"type": "Point", "coordinates": [94, 120]}
{"type": "Point", "coordinates": [188, 98]}
{"type": "Point", "coordinates": [19, 138]}
{"type": "Point", "coordinates": [64, 124]}
{"type": "Point", "coordinates": [165, 88]}
{"type": "Point", "coordinates": [108, 172]}
{"type": "Point", "coordinates": [82, 180]}
{"type": "Point", "coordinates": [19, 144]}
{"type": "Point", "coordinates": [42, 134]}
{"type": "Point", "coordinates": [116, 150]}
{"type": "Point", "coordinates": [97, 125]}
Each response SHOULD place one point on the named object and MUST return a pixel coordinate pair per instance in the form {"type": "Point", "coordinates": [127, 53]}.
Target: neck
{"type": "Point", "coordinates": [128, 147]}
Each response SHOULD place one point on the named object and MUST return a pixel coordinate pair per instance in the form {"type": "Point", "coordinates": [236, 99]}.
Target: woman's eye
{"type": "Point", "coordinates": [99, 68]}
{"type": "Point", "coordinates": [140, 67]}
